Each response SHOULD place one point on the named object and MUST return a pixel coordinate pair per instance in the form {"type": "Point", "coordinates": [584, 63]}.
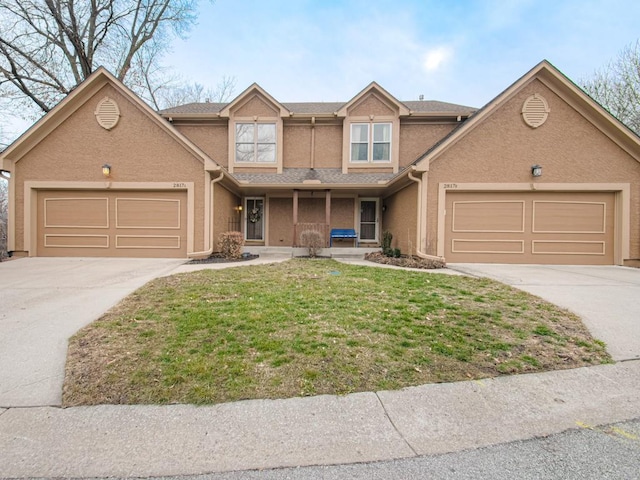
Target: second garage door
{"type": "Point", "coordinates": [99, 223]}
{"type": "Point", "coordinates": [532, 227]}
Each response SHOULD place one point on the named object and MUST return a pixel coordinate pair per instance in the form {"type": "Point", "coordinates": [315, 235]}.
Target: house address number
{"type": "Point", "coordinates": [179, 185]}
{"type": "Point", "coordinates": [450, 185]}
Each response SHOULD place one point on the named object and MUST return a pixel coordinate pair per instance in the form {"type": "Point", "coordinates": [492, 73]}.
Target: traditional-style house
{"type": "Point", "coordinates": [541, 174]}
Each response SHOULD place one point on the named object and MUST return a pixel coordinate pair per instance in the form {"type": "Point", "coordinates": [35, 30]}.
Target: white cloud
{"type": "Point", "coordinates": [436, 57]}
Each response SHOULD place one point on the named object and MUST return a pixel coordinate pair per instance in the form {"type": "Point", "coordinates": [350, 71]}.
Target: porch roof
{"type": "Point", "coordinates": [318, 176]}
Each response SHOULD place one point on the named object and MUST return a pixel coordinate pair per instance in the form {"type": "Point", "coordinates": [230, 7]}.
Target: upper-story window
{"type": "Point", "coordinates": [370, 142]}
{"type": "Point", "coordinates": [256, 142]}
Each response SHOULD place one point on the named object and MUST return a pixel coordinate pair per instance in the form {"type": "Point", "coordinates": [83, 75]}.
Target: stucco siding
{"type": "Point", "coordinates": [502, 149]}
{"type": "Point", "coordinates": [137, 150]}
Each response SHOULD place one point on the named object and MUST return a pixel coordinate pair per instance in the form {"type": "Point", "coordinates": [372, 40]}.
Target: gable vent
{"type": "Point", "coordinates": [535, 110]}
{"type": "Point", "coordinates": [107, 113]}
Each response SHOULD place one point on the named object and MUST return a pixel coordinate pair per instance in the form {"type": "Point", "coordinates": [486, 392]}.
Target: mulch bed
{"type": "Point", "coordinates": [219, 258]}
{"type": "Point", "coordinates": [404, 261]}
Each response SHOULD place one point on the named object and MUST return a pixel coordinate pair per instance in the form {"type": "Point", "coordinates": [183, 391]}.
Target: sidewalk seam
{"type": "Point", "coordinates": [386, 413]}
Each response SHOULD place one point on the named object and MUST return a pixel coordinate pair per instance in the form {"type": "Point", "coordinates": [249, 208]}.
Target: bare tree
{"type": "Point", "coordinates": [616, 86]}
{"type": "Point", "coordinates": [196, 93]}
{"type": "Point", "coordinates": [47, 47]}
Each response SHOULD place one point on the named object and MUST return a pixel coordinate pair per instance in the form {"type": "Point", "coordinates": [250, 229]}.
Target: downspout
{"type": "Point", "coordinates": [419, 252]}
{"type": "Point", "coordinates": [208, 252]}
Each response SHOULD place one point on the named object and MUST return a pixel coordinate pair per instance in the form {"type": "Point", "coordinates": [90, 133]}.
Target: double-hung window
{"type": "Point", "coordinates": [256, 142]}
{"type": "Point", "coordinates": [370, 142]}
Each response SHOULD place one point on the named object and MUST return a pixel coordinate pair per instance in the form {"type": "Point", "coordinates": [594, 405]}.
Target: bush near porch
{"type": "Point", "coordinates": [309, 327]}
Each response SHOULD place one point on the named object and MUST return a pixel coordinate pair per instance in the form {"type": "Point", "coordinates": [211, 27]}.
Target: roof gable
{"type": "Point", "coordinates": [76, 99]}
{"type": "Point", "coordinates": [568, 91]}
{"type": "Point", "coordinates": [380, 93]}
{"type": "Point", "coordinates": [251, 94]}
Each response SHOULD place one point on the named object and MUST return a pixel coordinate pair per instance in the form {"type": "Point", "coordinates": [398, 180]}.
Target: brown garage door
{"type": "Point", "coordinates": [98, 223]}
{"type": "Point", "coordinates": [532, 227]}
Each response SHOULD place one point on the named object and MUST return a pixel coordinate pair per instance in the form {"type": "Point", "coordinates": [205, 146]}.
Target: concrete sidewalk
{"type": "Point", "coordinates": [146, 441]}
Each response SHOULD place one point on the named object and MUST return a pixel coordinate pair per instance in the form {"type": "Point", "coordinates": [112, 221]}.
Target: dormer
{"type": "Point", "coordinates": [255, 131]}
{"type": "Point", "coordinates": [371, 130]}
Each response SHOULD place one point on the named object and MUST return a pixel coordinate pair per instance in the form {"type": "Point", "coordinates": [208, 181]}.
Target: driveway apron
{"type": "Point", "coordinates": [606, 297]}
{"type": "Point", "coordinates": [44, 302]}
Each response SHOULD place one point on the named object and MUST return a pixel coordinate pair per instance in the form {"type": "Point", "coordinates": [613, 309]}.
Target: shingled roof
{"type": "Point", "coordinates": [319, 108]}
{"type": "Point", "coordinates": [324, 176]}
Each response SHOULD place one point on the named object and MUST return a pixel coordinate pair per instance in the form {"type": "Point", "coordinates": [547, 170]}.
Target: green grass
{"type": "Point", "coordinates": [307, 327]}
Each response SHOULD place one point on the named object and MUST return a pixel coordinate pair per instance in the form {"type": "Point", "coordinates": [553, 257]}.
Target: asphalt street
{"type": "Point", "coordinates": [610, 452]}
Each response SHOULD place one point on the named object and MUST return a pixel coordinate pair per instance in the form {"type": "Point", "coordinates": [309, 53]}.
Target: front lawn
{"type": "Point", "coordinates": [309, 327]}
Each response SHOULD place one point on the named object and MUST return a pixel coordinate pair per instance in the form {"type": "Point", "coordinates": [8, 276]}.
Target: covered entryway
{"type": "Point", "coordinates": [530, 227]}
{"type": "Point", "coordinates": [101, 223]}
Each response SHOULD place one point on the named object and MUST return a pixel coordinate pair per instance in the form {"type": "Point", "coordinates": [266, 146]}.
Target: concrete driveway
{"type": "Point", "coordinates": [606, 297]}
{"type": "Point", "coordinates": [44, 301]}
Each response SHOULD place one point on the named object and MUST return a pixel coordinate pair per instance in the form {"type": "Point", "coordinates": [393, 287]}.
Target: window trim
{"type": "Point", "coordinates": [255, 143]}
{"type": "Point", "coordinates": [370, 143]}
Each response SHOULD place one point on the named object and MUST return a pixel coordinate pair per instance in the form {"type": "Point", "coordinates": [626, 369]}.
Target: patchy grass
{"type": "Point", "coordinates": [308, 327]}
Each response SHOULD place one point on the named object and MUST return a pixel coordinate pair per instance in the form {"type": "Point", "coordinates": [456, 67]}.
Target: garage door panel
{"type": "Point", "coordinates": [76, 241]}
{"type": "Point", "coordinates": [567, 247]}
{"type": "Point", "coordinates": [147, 241]}
{"type": "Point", "coordinates": [76, 212]}
{"type": "Point", "coordinates": [530, 227]}
{"type": "Point", "coordinates": [112, 223]}
{"type": "Point", "coordinates": [569, 217]}
{"type": "Point", "coordinates": [488, 216]}
{"type": "Point", "coordinates": [147, 213]}
{"type": "Point", "coordinates": [487, 246]}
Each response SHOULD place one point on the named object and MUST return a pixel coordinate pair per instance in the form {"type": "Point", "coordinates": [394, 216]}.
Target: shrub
{"type": "Point", "coordinates": [386, 243]}
{"type": "Point", "coordinates": [396, 253]}
{"type": "Point", "coordinates": [312, 239]}
{"type": "Point", "coordinates": [230, 244]}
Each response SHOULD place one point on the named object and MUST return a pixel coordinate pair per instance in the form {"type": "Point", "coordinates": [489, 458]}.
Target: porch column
{"type": "Point", "coordinates": [327, 215]}
{"type": "Point", "coordinates": [295, 218]}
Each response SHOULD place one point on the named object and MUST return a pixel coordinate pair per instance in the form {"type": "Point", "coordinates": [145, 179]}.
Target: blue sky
{"type": "Point", "coordinates": [462, 52]}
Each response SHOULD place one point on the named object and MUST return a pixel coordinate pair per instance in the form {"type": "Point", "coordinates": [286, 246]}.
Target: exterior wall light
{"type": "Point", "coordinates": [536, 170]}
{"type": "Point", "coordinates": [106, 170]}
{"type": "Point", "coordinates": [239, 208]}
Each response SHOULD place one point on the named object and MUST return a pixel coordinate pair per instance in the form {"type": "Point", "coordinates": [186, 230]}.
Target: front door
{"type": "Point", "coordinates": [254, 219]}
{"type": "Point", "coordinates": [369, 220]}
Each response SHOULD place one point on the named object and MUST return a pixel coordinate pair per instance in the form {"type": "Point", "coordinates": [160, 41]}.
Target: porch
{"type": "Point", "coordinates": [279, 220]}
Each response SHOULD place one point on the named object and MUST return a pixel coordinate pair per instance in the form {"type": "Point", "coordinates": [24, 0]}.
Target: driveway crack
{"type": "Point", "coordinates": [386, 413]}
